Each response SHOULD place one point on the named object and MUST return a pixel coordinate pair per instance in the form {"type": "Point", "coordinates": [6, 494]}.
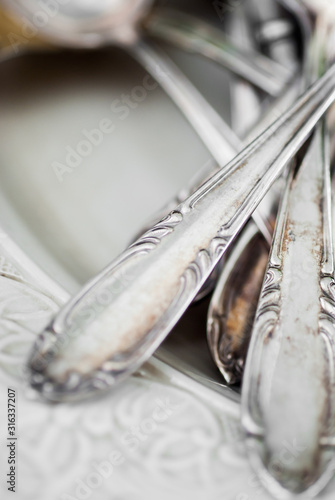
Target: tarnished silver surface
{"type": "Point", "coordinates": [119, 319]}
{"type": "Point", "coordinates": [288, 392]}
{"type": "Point", "coordinates": [209, 169]}
{"type": "Point", "coordinates": [196, 36]}
{"type": "Point", "coordinates": [274, 32]}
{"type": "Point", "coordinates": [233, 305]}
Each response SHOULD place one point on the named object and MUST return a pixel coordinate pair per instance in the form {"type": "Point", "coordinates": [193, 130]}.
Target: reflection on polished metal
{"type": "Point", "coordinates": [289, 380]}
{"type": "Point", "coordinates": [118, 320]}
{"type": "Point", "coordinates": [234, 300]}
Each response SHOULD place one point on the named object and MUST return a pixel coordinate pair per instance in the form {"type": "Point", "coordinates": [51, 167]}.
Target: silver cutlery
{"type": "Point", "coordinates": [200, 37]}
{"type": "Point", "coordinates": [234, 301]}
{"type": "Point", "coordinates": [233, 304]}
{"type": "Point", "coordinates": [120, 317]}
{"type": "Point", "coordinates": [118, 24]}
{"type": "Point", "coordinates": [288, 391]}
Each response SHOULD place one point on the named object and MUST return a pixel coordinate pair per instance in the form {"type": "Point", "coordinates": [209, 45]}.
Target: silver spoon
{"type": "Point", "coordinates": [197, 181]}
{"type": "Point", "coordinates": [288, 391]}
{"type": "Point", "coordinates": [242, 95]}
{"type": "Point", "coordinates": [233, 304]}
{"type": "Point", "coordinates": [120, 317]}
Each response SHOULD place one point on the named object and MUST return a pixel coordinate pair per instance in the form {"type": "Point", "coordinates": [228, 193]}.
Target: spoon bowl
{"type": "Point", "coordinates": [288, 383]}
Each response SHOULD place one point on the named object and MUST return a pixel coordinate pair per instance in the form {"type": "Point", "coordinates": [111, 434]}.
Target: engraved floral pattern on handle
{"type": "Point", "coordinates": [144, 292]}
{"type": "Point", "coordinates": [183, 427]}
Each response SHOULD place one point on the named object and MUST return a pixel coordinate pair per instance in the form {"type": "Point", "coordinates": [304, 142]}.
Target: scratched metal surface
{"type": "Point", "coordinates": [71, 227]}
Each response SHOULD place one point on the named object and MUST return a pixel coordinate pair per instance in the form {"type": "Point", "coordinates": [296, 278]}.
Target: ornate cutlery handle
{"type": "Point", "coordinates": [119, 319]}
{"type": "Point", "coordinates": [289, 380]}
{"type": "Point", "coordinates": [234, 301]}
